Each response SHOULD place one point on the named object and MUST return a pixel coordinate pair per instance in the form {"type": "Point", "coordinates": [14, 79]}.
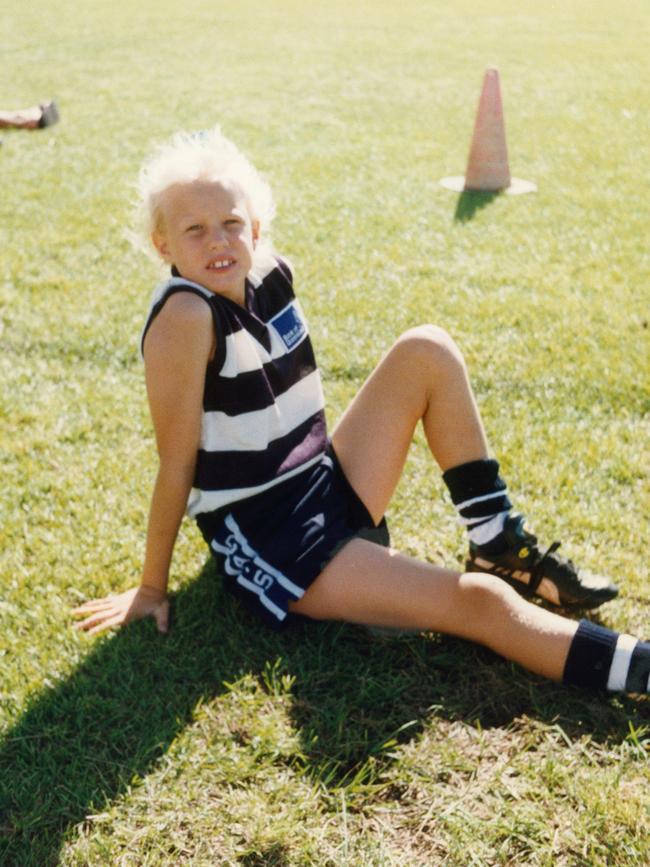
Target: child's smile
{"type": "Point", "coordinates": [206, 231]}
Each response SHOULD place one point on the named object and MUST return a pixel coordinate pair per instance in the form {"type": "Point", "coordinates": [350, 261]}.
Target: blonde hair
{"type": "Point", "coordinates": [205, 155]}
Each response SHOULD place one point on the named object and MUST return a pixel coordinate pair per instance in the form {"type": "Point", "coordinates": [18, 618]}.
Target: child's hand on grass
{"type": "Point", "coordinates": [101, 614]}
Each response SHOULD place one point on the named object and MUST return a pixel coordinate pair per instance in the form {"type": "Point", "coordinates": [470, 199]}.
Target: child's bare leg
{"type": "Point", "coordinates": [371, 585]}
{"type": "Point", "coordinates": [34, 117]}
{"type": "Point", "coordinates": [423, 376]}
{"type": "Point", "coordinates": [26, 118]}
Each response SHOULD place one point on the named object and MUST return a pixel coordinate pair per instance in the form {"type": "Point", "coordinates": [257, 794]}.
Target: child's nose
{"type": "Point", "coordinates": [218, 238]}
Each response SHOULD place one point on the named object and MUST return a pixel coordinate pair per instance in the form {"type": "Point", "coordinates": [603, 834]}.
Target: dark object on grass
{"type": "Point", "coordinates": [50, 114]}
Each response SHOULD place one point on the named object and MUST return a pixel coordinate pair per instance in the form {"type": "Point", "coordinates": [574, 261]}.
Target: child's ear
{"type": "Point", "coordinates": [159, 241]}
{"type": "Point", "coordinates": [256, 231]}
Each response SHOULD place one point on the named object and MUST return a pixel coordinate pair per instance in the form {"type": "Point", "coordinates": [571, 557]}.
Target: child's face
{"type": "Point", "coordinates": [207, 232]}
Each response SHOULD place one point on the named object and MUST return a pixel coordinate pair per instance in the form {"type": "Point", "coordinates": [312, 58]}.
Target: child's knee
{"type": "Point", "coordinates": [485, 597]}
{"type": "Point", "coordinates": [430, 344]}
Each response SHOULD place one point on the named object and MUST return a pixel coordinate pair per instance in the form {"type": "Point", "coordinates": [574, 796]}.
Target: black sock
{"type": "Point", "coordinates": [481, 499]}
{"type": "Point", "coordinates": [600, 658]}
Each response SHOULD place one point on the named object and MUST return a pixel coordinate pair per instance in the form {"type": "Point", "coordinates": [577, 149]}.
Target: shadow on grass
{"type": "Point", "coordinates": [471, 201]}
{"type": "Point", "coordinates": [79, 745]}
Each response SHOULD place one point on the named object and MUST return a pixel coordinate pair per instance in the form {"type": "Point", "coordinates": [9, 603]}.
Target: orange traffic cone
{"type": "Point", "coordinates": [487, 165]}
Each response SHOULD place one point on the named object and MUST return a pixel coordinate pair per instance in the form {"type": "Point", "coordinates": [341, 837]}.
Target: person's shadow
{"type": "Point", "coordinates": [79, 745]}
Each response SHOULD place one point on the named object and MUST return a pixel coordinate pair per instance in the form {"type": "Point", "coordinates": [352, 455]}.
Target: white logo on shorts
{"type": "Point", "coordinates": [238, 563]}
{"type": "Point", "coordinates": [251, 572]}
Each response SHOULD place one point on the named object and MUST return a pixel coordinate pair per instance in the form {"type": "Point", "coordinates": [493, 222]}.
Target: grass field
{"type": "Point", "coordinates": [222, 744]}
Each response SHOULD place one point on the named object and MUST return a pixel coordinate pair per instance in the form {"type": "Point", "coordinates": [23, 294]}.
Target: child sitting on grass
{"type": "Point", "coordinates": [296, 519]}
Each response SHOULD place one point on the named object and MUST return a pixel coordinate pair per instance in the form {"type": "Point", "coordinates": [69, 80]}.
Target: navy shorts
{"type": "Point", "coordinates": [271, 547]}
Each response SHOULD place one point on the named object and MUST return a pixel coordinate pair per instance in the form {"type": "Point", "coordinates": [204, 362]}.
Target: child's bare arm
{"type": "Point", "coordinates": [177, 348]}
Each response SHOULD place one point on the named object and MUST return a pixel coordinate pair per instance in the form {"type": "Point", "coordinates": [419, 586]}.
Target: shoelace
{"type": "Point", "coordinates": [537, 572]}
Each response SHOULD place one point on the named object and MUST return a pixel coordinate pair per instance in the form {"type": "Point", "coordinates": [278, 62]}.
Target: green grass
{"type": "Point", "coordinates": [222, 744]}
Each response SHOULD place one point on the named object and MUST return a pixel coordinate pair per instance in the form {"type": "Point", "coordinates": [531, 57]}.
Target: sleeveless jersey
{"type": "Point", "coordinates": [263, 417]}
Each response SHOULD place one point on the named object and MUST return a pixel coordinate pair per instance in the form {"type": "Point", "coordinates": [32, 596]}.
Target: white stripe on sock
{"type": "Point", "coordinates": [471, 523]}
{"type": "Point", "coordinates": [621, 662]}
{"type": "Point", "coordinates": [488, 530]}
{"type": "Point", "coordinates": [465, 503]}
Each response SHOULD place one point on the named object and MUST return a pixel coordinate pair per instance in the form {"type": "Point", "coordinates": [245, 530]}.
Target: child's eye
{"type": "Point", "coordinates": [195, 228]}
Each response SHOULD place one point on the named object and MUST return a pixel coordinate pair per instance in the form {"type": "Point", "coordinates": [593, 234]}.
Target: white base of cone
{"type": "Point", "coordinates": [517, 186]}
